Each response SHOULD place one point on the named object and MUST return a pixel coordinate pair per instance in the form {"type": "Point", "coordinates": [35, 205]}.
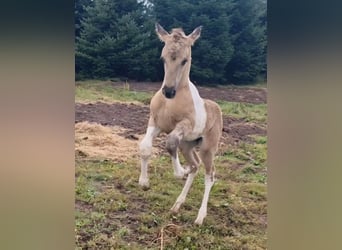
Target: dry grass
{"type": "Point", "coordinates": [96, 141]}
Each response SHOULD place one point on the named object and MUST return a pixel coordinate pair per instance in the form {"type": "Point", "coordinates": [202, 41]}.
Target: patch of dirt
{"type": "Point", "coordinates": [240, 130]}
{"type": "Point", "coordinates": [83, 206]}
{"type": "Point", "coordinates": [132, 117]}
{"type": "Point", "coordinates": [231, 94]}
{"type": "Point", "coordinates": [133, 120]}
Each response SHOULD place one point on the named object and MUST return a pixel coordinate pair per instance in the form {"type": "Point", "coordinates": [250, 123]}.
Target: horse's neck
{"type": "Point", "coordinates": [190, 91]}
{"type": "Point", "coordinates": [184, 82]}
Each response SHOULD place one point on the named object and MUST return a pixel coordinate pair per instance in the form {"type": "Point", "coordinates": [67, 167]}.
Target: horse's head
{"type": "Point", "coordinates": [176, 56]}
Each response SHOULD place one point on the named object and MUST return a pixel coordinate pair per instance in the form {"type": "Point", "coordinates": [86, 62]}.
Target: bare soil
{"type": "Point", "coordinates": [134, 119]}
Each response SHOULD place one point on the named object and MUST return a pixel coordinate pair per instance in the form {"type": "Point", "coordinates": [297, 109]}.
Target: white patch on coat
{"type": "Point", "coordinates": [200, 114]}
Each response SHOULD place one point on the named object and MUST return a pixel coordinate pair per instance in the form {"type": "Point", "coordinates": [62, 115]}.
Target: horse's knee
{"type": "Point", "coordinates": [172, 143]}
{"type": "Point", "coordinates": [145, 149]}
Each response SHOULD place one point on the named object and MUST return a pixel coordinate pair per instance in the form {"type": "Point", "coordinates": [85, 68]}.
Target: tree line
{"type": "Point", "coordinates": [116, 39]}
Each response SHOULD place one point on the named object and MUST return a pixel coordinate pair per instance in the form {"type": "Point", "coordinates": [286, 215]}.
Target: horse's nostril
{"type": "Point", "coordinates": [169, 92]}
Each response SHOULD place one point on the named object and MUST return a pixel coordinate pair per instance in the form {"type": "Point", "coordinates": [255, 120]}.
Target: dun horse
{"type": "Point", "coordinates": [178, 110]}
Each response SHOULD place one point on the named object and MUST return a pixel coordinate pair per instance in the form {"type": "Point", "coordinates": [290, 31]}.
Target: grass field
{"type": "Point", "coordinates": [113, 212]}
{"type": "Point", "coordinates": [93, 90]}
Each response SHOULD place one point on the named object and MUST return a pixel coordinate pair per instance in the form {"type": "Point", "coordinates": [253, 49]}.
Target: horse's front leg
{"type": "Point", "coordinates": [172, 143]}
{"type": "Point", "coordinates": [145, 147]}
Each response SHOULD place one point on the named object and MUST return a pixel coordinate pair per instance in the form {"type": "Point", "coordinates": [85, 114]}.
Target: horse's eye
{"type": "Point", "coordinates": [184, 62]}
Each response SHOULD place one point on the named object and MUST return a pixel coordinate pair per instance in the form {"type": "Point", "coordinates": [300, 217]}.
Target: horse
{"type": "Point", "coordinates": [189, 121]}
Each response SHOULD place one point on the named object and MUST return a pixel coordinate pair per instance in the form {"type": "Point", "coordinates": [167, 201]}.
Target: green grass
{"type": "Point", "coordinates": [92, 91]}
{"type": "Point", "coordinates": [259, 84]}
{"type": "Point", "coordinates": [247, 111]}
{"type": "Point", "coordinates": [125, 216]}
{"type": "Point", "coordinates": [113, 212]}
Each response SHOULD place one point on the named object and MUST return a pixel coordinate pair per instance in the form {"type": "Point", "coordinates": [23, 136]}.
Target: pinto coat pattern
{"type": "Point", "coordinates": [178, 110]}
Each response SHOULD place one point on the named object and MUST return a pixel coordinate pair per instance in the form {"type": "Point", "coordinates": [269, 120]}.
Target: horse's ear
{"type": "Point", "coordinates": [162, 34]}
{"type": "Point", "coordinates": [195, 34]}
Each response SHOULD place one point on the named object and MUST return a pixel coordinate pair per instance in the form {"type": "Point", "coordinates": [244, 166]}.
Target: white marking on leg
{"type": "Point", "coordinates": [178, 170]}
{"type": "Point", "coordinates": [202, 213]}
{"type": "Point", "coordinates": [145, 147]}
{"type": "Point", "coordinates": [146, 143]}
{"type": "Point", "coordinates": [200, 113]}
{"type": "Point", "coordinates": [143, 179]}
{"type": "Point", "coordinates": [181, 198]}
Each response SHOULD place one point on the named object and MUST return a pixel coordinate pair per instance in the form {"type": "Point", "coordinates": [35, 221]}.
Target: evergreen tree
{"type": "Point", "coordinates": [80, 6]}
{"type": "Point", "coordinates": [115, 41]}
{"type": "Point", "coordinates": [249, 32]}
{"type": "Point", "coordinates": [116, 38]}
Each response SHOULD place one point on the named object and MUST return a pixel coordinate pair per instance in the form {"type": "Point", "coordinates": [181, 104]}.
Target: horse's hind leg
{"type": "Point", "coordinates": [207, 153]}
{"type": "Point", "coordinates": [145, 147]}
{"type": "Point", "coordinates": [185, 147]}
{"type": "Point", "coordinates": [209, 179]}
{"type": "Point", "coordinates": [172, 143]}
{"type": "Point", "coordinates": [191, 157]}
{"type": "Point", "coordinates": [178, 170]}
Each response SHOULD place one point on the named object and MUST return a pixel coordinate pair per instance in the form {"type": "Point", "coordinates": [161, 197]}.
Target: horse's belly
{"type": "Point", "coordinates": [192, 136]}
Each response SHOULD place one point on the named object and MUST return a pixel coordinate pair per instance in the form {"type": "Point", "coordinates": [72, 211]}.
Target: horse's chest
{"type": "Point", "coordinates": [167, 120]}
{"type": "Point", "coordinates": [191, 107]}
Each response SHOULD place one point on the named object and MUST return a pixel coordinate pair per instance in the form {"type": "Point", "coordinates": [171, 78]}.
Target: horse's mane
{"type": "Point", "coordinates": [178, 34]}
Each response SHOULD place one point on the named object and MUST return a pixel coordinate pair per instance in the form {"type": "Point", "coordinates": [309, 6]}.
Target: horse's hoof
{"type": "Point", "coordinates": [200, 217]}
{"type": "Point", "coordinates": [199, 221]}
{"type": "Point", "coordinates": [144, 185]}
{"type": "Point", "coordinates": [183, 173]}
{"type": "Point", "coordinates": [187, 171]}
{"type": "Point", "coordinates": [180, 174]}
{"type": "Point", "coordinates": [175, 208]}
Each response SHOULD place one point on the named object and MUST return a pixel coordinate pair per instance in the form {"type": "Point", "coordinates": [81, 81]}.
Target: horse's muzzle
{"type": "Point", "coordinates": [169, 92]}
